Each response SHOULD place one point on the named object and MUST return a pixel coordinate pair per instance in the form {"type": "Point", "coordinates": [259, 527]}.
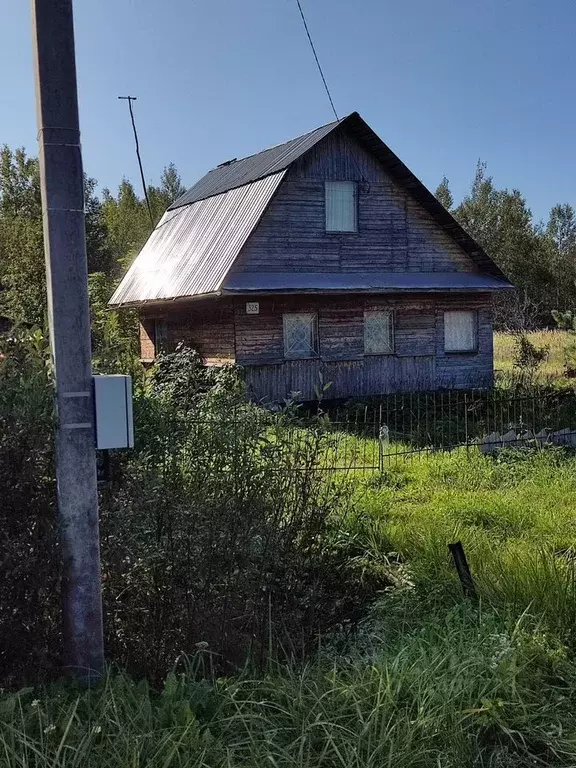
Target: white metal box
{"type": "Point", "coordinates": [113, 406]}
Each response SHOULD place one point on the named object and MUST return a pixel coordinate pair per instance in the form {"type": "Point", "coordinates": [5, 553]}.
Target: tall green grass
{"type": "Point", "coordinates": [419, 687]}
{"type": "Point", "coordinates": [425, 680]}
{"type": "Point", "coordinates": [515, 515]}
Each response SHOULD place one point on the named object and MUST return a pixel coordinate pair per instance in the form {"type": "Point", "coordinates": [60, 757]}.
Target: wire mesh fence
{"type": "Point", "coordinates": [370, 436]}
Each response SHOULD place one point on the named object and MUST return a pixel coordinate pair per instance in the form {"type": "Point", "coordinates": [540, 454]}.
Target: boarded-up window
{"type": "Point", "coordinates": [378, 332]}
{"type": "Point", "coordinates": [300, 335]}
{"type": "Point", "coordinates": [341, 207]}
{"type": "Point", "coordinates": [460, 331]}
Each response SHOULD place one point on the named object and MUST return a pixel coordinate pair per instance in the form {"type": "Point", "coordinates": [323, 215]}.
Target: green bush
{"type": "Point", "coordinates": [528, 359]}
{"type": "Point", "coordinates": [29, 625]}
{"type": "Point", "coordinates": [218, 528]}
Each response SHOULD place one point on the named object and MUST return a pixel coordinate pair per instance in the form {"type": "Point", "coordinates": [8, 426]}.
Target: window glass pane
{"type": "Point", "coordinates": [300, 335]}
{"type": "Point", "coordinates": [460, 331]}
{"type": "Point", "coordinates": [378, 333]}
{"type": "Point", "coordinates": [340, 206]}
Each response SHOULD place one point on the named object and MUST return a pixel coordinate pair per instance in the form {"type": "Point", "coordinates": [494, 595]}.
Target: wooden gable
{"type": "Point", "coordinates": [395, 233]}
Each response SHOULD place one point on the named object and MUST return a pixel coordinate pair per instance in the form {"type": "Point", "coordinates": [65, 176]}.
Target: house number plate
{"type": "Point", "coordinates": [252, 307]}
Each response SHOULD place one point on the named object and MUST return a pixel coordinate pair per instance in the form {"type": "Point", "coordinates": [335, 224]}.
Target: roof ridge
{"type": "Point", "coordinates": [282, 143]}
{"type": "Point", "coordinates": [244, 170]}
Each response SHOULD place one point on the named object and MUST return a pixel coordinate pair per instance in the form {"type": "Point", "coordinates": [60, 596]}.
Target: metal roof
{"type": "Point", "coordinates": [233, 174]}
{"type": "Point", "coordinates": [192, 248]}
{"type": "Point", "coordinates": [374, 282]}
{"type": "Point", "coordinates": [238, 172]}
{"type": "Point", "coordinates": [198, 239]}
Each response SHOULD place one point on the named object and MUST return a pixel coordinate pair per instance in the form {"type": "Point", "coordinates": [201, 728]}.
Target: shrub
{"type": "Point", "coordinates": [221, 529]}
{"type": "Point", "coordinates": [114, 334]}
{"type": "Point", "coordinates": [528, 359]}
{"type": "Point", "coordinates": [218, 530]}
{"type": "Point", "coordinates": [566, 321]}
{"type": "Point", "coordinates": [28, 550]}
{"type": "Point", "coordinates": [569, 360]}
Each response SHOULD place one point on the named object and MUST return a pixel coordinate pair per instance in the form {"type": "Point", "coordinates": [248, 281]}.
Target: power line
{"type": "Point", "coordinates": [130, 99]}
{"type": "Point", "coordinates": [317, 60]}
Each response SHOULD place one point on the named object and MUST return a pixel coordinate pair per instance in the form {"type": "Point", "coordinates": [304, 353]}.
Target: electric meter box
{"type": "Point", "coordinates": [113, 406]}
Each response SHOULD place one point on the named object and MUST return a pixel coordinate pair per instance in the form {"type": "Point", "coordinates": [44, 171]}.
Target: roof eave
{"type": "Point", "coordinates": [165, 301]}
{"type": "Point", "coordinates": [337, 291]}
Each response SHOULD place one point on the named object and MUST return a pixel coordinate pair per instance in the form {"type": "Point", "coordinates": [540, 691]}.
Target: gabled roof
{"type": "Point", "coordinates": [236, 173]}
{"type": "Point", "coordinates": [192, 248]}
{"type": "Point", "coordinates": [199, 238]}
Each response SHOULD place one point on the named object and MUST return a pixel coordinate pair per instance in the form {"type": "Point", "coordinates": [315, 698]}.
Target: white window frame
{"type": "Point", "coordinates": [387, 346]}
{"type": "Point", "coordinates": [451, 348]}
{"type": "Point", "coordinates": [330, 214]}
{"type": "Point", "coordinates": [290, 352]}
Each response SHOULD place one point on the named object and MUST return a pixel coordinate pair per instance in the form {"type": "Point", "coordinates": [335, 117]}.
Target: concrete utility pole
{"type": "Point", "coordinates": [66, 270]}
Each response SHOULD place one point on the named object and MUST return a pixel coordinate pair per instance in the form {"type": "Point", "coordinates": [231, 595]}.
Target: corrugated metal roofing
{"type": "Point", "coordinates": [234, 174]}
{"type": "Point", "coordinates": [239, 172]}
{"type": "Point", "coordinates": [192, 248]}
{"type": "Point", "coordinates": [192, 255]}
{"type": "Point", "coordinates": [282, 282]}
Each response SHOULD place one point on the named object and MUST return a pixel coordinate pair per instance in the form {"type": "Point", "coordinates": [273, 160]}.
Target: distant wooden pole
{"type": "Point", "coordinates": [130, 99]}
{"type": "Point", "coordinates": [62, 187]}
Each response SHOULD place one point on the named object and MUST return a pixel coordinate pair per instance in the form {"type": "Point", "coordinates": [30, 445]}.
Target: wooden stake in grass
{"type": "Point", "coordinates": [468, 586]}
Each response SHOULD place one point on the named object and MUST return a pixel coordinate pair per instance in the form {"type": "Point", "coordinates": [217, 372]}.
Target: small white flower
{"type": "Point", "coordinates": [49, 728]}
{"type": "Point", "coordinates": [97, 729]}
{"type": "Point", "coordinates": [35, 703]}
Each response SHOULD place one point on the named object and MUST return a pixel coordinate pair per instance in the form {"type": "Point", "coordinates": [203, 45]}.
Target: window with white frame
{"type": "Point", "coordinates": [378, 332]}
{"type": "Point", "coordinates": [460, 331]}
{"type": "Point", "coordinates": [341, 206]}
{"type": "Point", "coordinates": [300, 335]}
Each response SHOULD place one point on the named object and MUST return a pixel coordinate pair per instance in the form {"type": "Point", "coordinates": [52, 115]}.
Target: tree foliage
{"type": "Point", "coordinates": [117, 226]}
{"type": "Point", "coordinates": [444, 195]}
{"type": "Point", "coordinates": [540, 259]}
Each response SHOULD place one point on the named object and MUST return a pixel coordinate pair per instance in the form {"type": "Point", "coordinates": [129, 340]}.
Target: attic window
{"type": "Point", "coordinates": [300, 335]}
{"type": "Point", "coordinates": [341, 206]}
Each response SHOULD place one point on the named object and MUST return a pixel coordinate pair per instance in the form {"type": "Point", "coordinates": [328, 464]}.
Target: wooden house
{"type": "Point", "coordinates": [321, 259]}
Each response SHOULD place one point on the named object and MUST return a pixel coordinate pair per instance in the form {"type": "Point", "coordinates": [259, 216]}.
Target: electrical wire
{"type": "Point", "coordinates": [326, 85]}
{"type": "Point", "coordinates": [317, 60]}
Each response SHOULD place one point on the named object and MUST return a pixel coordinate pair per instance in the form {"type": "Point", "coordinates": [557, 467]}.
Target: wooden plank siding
{"type": "Point", "coordinates": [206, 326]}
{"type": "Point", "coordinates": [147, 340]}
{"type": "Point", "coordinates": [395, 234]}
{"type": "Point", "coordinates": [418, 363]}
{"type": "Point", "coordinates": [222, 332]}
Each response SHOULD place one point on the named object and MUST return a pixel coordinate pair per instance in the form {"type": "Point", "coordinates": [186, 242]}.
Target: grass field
{"type": "Point", "coordinates": [426, 680]}
{"type": "Point", "coordinates": [551, 370]}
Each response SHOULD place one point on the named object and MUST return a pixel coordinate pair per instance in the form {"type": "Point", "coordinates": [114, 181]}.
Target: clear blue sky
{"type": "Point", "coordinates": [443, 82]}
